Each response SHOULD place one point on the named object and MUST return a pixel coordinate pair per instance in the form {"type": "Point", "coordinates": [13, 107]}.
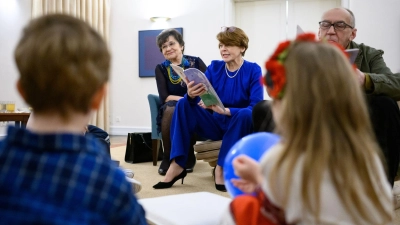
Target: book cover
{"type": "Point", "coordinates": [210, 97]}
{"type": "Point", "coordinates": [352, 54]}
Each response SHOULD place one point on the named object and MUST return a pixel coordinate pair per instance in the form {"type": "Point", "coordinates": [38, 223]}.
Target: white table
{"type": "Point", "coordinates": [186, 209]}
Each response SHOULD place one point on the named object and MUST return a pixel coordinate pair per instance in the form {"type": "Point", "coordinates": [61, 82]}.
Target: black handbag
{"type": "Point", "coordinates": [139, 148]}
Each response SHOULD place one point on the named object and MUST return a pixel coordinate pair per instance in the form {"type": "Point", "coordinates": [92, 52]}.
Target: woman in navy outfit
{"type": "Point", "coordinates": [171, 88]}
{"type": "Point", "coordinates": [237, 83]}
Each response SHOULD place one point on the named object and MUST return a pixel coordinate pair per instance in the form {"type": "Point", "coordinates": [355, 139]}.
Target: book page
{"type": "Point", "coordinates": [197, 76]}
{"type": "Point", "coordinates": [210, 97]}
{"type": "Point", "coordinates": [179, 71]}
{"type": "Point", "coordinates": [299, 30]}
{"type": "Point", "coordinates": [352, 54]}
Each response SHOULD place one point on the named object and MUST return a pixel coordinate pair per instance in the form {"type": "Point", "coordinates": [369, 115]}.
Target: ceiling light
{"type": "Point", "coordinates": [159, 19]}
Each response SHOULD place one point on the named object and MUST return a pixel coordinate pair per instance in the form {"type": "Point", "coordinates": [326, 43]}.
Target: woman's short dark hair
{"type": "Point", "coordinates": [164, 35]}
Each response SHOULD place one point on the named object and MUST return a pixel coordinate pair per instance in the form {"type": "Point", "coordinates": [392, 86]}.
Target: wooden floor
{"type": "Point", "coordinates": [117, 141]}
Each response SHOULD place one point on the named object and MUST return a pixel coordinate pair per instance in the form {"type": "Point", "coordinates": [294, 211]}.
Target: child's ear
{"type": "Point", "coordinates": [20, 89]}
{"type": "Point", "coordinates": [98, 97]}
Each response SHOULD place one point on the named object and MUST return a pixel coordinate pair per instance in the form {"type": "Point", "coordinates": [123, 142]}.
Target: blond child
{"type": "Point", "coordinates": [327, 169]}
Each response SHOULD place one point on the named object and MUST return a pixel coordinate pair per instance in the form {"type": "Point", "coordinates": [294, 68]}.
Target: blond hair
{"type": "Point", "coordinates": [324, 120]}
{"type": "Point", "coordinates": [62, 63]}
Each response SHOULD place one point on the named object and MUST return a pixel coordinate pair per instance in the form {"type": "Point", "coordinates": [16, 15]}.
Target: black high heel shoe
{"type": "Point", "coordinates": [219, 187]}
{"type": "Point", "coordinates": [163, 185]}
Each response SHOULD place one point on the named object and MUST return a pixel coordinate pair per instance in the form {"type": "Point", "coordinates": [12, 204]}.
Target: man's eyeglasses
{"type": "Point", "coordinates": [229, 29]}
{"type": "Point", "coordinates": [325, 25]}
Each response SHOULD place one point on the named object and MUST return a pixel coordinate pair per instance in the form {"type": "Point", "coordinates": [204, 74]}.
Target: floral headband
{"type": "Point", "coordinates": [275, 79]}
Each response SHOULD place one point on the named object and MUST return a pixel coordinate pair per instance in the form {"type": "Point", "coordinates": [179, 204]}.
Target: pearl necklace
{"type": "Point", "coordinates": [226, 70]}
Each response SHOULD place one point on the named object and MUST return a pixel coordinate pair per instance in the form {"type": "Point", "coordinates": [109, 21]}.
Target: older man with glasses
{"type": "Point", "coordinates": [380, 84]}
{"type": "Point", "coordinates": [382, 87]}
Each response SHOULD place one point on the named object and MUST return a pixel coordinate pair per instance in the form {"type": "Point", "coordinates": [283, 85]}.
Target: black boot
{"type": "Point", "coordinates": [164, 163]}
{"type": "Point", "coordinates": [166, 138]}
{"type": "Point", "coordinates": [191, 161]}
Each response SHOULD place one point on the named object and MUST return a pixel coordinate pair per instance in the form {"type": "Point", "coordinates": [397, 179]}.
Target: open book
{"type": "Point", "coordinates": [352, 52]}
{"type": "Point", "coordinates": [210, 97]}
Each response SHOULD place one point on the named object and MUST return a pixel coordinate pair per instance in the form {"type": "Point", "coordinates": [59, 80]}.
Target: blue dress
{"type": "Point", "coordinates": [239, 93]}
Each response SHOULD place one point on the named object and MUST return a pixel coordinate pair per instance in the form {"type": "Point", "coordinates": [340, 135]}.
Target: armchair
{"type": "Point", "coordinates": [155, 104]}
{"type": "Point", "coordinates": [206, 150]}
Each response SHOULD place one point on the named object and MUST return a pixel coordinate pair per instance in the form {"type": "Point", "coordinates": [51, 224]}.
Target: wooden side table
{"type": "Point", "coordinates": [20, 119]}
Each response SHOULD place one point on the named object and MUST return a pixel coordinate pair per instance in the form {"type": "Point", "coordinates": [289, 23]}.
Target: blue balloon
{"type": "Point", "coordinates": [252, 145]}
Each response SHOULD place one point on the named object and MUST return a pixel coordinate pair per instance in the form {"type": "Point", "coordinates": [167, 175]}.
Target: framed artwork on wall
{"type": "Point", "coordinates": [149, 53]}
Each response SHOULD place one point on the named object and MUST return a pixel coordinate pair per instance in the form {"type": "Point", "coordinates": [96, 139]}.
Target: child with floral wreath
{"type": "Point", "coordinates": [327, 168]}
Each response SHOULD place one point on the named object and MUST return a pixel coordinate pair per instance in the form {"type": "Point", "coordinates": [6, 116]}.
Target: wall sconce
{"type": "Point", "coordinates": [159, 19]}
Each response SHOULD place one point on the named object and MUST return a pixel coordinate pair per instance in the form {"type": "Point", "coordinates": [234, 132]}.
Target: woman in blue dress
{"type": "Point", "coordinates": [171, 88]}
{"type": "Point", "coordinates": [237, 83]}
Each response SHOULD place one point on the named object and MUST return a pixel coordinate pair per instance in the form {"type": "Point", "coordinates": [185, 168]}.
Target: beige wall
{"type": "Point", "coordinates": [200, 20]}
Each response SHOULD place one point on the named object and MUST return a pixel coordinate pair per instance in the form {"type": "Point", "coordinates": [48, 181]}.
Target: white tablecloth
{"type": "Point", "coordinates": [186, 209]}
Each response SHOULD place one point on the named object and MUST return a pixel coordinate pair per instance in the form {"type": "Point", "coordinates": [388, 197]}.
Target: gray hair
{"type": "Point", "coordinates": [352, 18]}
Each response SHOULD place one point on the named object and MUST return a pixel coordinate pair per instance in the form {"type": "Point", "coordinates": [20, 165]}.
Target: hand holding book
{"type": "Point", "coordinates": [195, 90]}
{"type": "Point", "coordinates": [215, 108]}
{"type": "Point", "coordinates": [208, 95]}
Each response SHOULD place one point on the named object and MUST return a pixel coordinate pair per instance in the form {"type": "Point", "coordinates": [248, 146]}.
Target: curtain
{"type": "Point", "coordinates": [97, 14]}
